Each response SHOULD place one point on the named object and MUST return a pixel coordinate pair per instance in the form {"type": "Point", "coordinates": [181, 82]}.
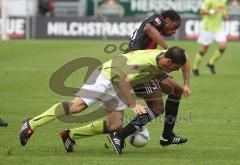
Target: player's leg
{"type": "Point", "coordinates": [221, 40]}
{"type": "Point", "coordinates": [91, 91]}
{"type": "Point", "coordinates": [155, 104]}
{"type": "Point", "coordinates": [174, 92]}
{"type": "Point", "coordinates": [155, 108]}
{"type": "Point", "coordinates": [112, 104]}
{"type": "Point", "coordinates": [205, 39]}
{"type": "Point", "coordinates": [69, 136]}
{"type": "Point", "coordinates": [113, 123]}
{"type": "Point", "coordinates": [57, 110]}
{"type": "Point", "coordinates": [198, 59]}
{"type": "Point", "coordinates": [152, 95]}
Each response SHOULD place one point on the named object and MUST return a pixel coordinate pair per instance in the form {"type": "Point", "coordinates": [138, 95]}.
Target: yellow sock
{"type": "Point", "coordinates": [48, 116]}
{"type": "Point", "coordinates": [94, 128]}
{"type": "Point", "coordinates": [216, 56]}
{"type": "Point", "coordinates": [197, 61]}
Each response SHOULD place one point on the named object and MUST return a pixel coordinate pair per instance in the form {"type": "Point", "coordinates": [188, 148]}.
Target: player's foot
{"type": "Point", "coordinates": [116, 142]}
{"type": "Point", "coordinates": [195, 72]}
{"type": "Point", "coordinates": [212, 68]}
{"type": "Point", "coordinates": [172, 140]}
{"type": "Point", "coordinates": [3, 123]}
{"type": "Point", "coordinates": [26, 132]}
{"type": "Point", "coordinates": [68, 142]}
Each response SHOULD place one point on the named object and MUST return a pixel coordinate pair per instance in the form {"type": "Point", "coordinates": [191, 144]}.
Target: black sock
{"type": "Point", "coordinates": [137, 122]}
{"type": "Point", "coordinates": [171, 111]}
{"type": "Point", "coordinates": [105, 128]}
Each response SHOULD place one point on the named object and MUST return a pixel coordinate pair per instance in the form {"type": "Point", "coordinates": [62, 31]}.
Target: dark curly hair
{"type": "Point", "coordinates": [172, 14]}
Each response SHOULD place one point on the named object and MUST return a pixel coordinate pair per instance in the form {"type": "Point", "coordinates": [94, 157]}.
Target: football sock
{"type": "Point", "coordinates": [94, 128]}
{"type": "Point", "coordinates": [171, 111]}
{"type": "Point", "coordinates": [137, 122]}
{"type": "Point", "coordinates": [56, 110]}
{"type": "Point", "coordinates": [198, 60]}
{"type": "Point", "coordinates": [216, 56]}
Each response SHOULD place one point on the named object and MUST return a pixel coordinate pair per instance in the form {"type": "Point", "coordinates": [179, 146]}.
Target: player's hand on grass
{"type": "Point", "coordinates": [137, 108]}
{"type": "Point", "coordinates": [186, 90]}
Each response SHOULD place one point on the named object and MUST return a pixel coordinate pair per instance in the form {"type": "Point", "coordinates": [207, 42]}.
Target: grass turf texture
{"type": "Point", "coordinates": [209, 118]}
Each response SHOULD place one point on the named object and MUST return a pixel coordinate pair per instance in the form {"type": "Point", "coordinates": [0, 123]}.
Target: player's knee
{"type": "Point", "coordinates": [156, 105]}
{"type": "Point", "coordinates": [203, 50]}
{"type": "Point", "coordinates": [157, 109]}
{"type": "Point", "coordinates": [77, 105]}
{"type": "Point", "coordinates": [178, 91]}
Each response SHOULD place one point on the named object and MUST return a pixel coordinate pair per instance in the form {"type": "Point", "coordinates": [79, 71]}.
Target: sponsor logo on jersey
{"type": "Point", "coordinates": [157, 21]}
{"type": "Point", "coordinates": [135, 67]}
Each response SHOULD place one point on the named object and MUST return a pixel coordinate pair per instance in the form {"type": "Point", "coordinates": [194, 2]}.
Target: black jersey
{"type": "Point", "coordinates": [140, 40]}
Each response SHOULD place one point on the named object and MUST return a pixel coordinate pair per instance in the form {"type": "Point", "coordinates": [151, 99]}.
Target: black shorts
{"type": "Point", "coordinates": [151, 86]}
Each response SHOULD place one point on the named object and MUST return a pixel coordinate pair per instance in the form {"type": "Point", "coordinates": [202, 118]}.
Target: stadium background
{"type": "Point", "coordinates": [38, 37]}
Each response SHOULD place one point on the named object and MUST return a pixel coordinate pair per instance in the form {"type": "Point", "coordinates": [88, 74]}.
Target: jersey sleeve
{"type": "Point", "coordinates": [156, 20]}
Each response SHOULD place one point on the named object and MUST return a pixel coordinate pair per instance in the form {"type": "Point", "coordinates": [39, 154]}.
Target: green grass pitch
{"type": "Point", "coordinates": [210, 117]}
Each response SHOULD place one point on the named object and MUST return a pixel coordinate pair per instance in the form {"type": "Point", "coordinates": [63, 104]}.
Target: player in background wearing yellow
{"type": "Point", "coordinates": [213, 12]}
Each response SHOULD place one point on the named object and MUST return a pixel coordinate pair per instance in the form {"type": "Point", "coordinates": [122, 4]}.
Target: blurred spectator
{"type": "Point", "coordinates": [45, 7]}
{"type": "Point", "coordinates": [234, 7]}
{"type": "Point", "coordinates": [110, 8]}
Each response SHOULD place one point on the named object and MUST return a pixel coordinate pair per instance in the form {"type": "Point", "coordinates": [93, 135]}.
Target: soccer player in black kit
{"type": "Point", "coordinates": [150, 34]}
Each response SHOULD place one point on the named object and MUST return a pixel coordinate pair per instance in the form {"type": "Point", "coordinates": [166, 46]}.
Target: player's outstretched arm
{"type": "Point", "coordinates": [125, 87]}
{"type": "Point", "coordinates": [207, 12]}
{"type": "Point", "coordinates": [154, 34]}
{"type": "Point", "coordinates": [186, 74]}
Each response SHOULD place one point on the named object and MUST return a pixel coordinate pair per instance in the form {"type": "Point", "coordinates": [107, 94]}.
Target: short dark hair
{"type": "Point", "coordinates": [172, 14]}
{"type": "Point", "coordinates": [177, 55]}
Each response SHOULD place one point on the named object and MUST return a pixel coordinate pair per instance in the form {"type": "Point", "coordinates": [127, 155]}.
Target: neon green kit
{"type": "Point", "coordinates": [213, 22]}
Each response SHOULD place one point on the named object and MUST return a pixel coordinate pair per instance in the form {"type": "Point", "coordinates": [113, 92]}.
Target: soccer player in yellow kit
{"type": "Point", "coordinates": [111, 84]}
{"type": "Point", "coordinates": [213, 12]}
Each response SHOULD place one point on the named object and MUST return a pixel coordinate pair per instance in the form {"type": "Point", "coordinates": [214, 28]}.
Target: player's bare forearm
{"type": "Point", "coordinates": [125, 88]}
{"type": "Point", "coordinates": [186, 74]}
{"type": "Point", "coordinates": [207, 12]}
{"type": "Point", "coordinates": [213, 11]}
{"type": "Point", "coordinates": [186, 71]}
{"type": "Point", "coordinates": [154, 34]}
